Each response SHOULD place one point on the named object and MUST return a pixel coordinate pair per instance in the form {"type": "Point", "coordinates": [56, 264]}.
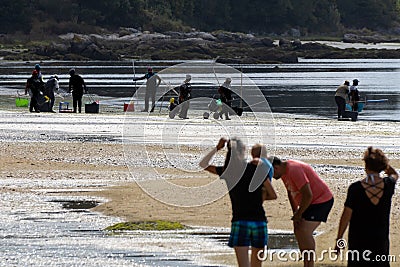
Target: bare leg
{"type": "Point", "coordinates": [242, 256]}
{"type": "Point", "coordinates": [303, 231]}
{"type": "Point", "coordinates": [255, 262]}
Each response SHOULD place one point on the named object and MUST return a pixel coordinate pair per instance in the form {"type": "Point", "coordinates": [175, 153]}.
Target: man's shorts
{"type": "Point", "coordinates": [248, 233]}
{"type": "Point", "coordinates": [318, 212]}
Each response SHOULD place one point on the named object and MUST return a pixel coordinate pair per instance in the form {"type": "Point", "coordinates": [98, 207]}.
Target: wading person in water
{"type": "Point", "coordinates": [367, 210]}
{"type": "Point", "coordinates": [310, 198]}
{"type": "Point", "coordinates": [341, 96]}
{"type": "Point", "coordinates": [249, 224]}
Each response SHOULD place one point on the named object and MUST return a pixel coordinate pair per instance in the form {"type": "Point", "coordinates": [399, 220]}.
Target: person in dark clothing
{"type": "Point", "coordinates": [50, 87]}
{"type": "Point", "coordinates": [77, 86]}
{"type": "Point", "coordinates": [153, 81]}
{"type": "Point", "coordinates": [341, 96]}
{"type": "Point", "coordinates": [249, 223]}
{"type": "Point", "coordinates": [367, 210]}
{"type": "Point", "coordinates": [184, 95]}
{"type": "Point", "coordinates": [226, 97]}
{"type": "Point", "coordinates": [34, 86]}
{"type": "Point", "coordinates": [354, 95]}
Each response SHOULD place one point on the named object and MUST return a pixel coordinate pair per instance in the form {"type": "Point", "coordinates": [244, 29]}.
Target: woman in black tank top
{"type": "Point", "coordinates": [367, 210]}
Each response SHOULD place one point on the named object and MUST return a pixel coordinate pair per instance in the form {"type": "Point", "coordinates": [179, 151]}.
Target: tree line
{"type": "Point", "coordinates": [255, 16]}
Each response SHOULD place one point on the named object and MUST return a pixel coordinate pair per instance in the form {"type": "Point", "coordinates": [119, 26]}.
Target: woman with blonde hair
{"type": "Point", "coordinates": [245, 183]}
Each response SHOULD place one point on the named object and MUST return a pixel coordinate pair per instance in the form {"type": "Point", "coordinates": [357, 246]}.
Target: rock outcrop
{"type": "Point", "coordinates": [228, 47]}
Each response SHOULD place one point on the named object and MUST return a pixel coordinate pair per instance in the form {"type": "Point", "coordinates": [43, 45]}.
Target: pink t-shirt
{"type": "Point", "coordinates": [297, 175]}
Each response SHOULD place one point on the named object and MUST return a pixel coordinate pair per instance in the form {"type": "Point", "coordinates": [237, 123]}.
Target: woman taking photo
{"type": "Point", "coordinates": [246, 183]}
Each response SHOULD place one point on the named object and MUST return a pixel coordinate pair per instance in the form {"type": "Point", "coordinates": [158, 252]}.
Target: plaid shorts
{"type": "Point", "coordinates": [248, 233]}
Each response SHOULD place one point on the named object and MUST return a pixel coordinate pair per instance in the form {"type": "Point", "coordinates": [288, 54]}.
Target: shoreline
{"type": "Point", "coordinates": [333, 148]}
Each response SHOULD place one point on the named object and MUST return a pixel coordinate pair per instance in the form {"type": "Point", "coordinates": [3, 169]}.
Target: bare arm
{"type": "Point", "coordinates": [344, 221]}
{"type": "Point", "coordinates": [159, 80]}
{"type": "Point", "coordinates": [205, 162]}
{"type": "Point", "coordinates": [391, 172]}
{"type": "Point", "coordinates": [84, 86]}
{"type": "Point", "coordinates": [26, 88]}
{"type": "Point", "coordinates": [343, 224]}
{"type": "Point", "coordinates": [306, 198]}
{"type": "Point", "coordinates": [139, 78]}
{"type": "Point", "coordinates": [292, 202]}
{"type": "Point", "coordinates": [268, 191]}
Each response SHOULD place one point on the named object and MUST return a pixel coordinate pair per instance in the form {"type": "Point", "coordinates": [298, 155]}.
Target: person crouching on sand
{"type": "Point", "coordinates": [310, 198]}
{"type": "Point", "coordinates": [249, 223]}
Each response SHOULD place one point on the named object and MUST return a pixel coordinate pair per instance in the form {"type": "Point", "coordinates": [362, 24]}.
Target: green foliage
{"type": "Point", "coordinates": [372, 14]}
{"type": "Point", "coordinates": [259, 16]}
{"type": "Point", "coordinates": [147, 226]}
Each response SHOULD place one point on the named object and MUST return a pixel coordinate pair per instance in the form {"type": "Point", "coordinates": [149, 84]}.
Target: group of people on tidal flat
{"type": "Point", "coordinates": [184, 95]}
{"type": "Point", "coordinates": [366, 210]}
{"type": "Point", "coordinates": [44, 92]}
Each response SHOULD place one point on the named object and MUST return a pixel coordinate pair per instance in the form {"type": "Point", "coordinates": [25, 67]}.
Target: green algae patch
{"type": "Point", "coordinates": [146, 226]}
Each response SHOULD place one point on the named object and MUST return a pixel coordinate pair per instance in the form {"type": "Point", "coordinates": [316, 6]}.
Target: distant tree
{"type": "Point", "coordinates": [371, 14]}
{"type": "Point", "coordinates": [16, 15]}
{"type": "Point", "coordinates": [258, 16]}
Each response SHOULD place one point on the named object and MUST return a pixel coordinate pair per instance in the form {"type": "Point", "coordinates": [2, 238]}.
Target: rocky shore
{"type": "Point", "coordinates": [228, 47]}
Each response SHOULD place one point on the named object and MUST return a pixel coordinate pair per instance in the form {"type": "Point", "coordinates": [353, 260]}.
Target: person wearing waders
{"type": "Point", "coordinates": [34, 86]}
{"type": "Point", "coordinates": [50, 87]}
{"type": "Point", "coordinates": [153, 81]}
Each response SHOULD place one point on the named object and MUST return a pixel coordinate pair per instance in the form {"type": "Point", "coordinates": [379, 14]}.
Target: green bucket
{"type": "Point", "coordinates": [21, 102]}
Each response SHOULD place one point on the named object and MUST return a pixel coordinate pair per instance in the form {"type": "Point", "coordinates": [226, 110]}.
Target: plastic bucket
{"type": "Point", "coordinates": [129, 107]}
{"type": "Point", "coordinates": [360, 107]}
{"type": "Point", "coordinates": [21, 102]}
{"type": "Point", "coordinates": [92, 108]}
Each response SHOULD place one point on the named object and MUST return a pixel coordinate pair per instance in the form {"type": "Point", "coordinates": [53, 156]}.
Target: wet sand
{"type": "Point", "coordinates": [333, 148]}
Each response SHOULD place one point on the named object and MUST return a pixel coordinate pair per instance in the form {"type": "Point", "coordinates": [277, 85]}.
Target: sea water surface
{"type": "Point", "coordinates": [307, 87]}
{"type": "Point", "coordinates": [45, 228]}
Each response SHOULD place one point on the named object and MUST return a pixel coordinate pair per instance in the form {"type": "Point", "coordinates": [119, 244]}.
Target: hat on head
{"type": "Point", "coordinates": [37, 67]}
{"type": "Point", "coordinates": [355, 81]}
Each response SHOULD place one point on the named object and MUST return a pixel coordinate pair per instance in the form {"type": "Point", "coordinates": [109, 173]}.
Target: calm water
{"type": "Point", "coordinates": [37, 229]}
{"type": "Point", "coordinates": [304, 88]}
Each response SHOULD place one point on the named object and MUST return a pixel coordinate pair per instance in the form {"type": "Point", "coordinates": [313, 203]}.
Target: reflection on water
{"type": "Point", "coordinates": [276, 239]}
{"type": "Point", "coordinates": [39, 230]}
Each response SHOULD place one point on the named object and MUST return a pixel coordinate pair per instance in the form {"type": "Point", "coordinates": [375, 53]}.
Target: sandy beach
{"type": "Point", "coordinates": [91, 147]}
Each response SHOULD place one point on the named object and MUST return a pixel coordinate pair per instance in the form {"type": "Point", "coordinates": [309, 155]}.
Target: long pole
{"type": "Point", "coordinates": [215, 74]}
{"type": "Point", "coordinates": [134, 71]}
{"type": "Point", "coordinates": [134, 78]}
{"type": "Point", "coordinates": [241, 87]}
